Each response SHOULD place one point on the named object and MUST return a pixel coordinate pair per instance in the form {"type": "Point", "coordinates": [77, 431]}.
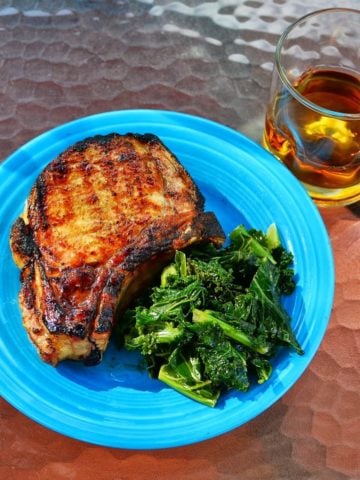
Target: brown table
{"type": "Point", "coordinates": [69, 58]}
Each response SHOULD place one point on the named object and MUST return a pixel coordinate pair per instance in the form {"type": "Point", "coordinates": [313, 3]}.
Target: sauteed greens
{"type": "Point", "coordinates": [216, 319]}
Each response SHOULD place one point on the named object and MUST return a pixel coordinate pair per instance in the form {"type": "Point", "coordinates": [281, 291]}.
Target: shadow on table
{"type": "Point", "coordinates": [355, 208]}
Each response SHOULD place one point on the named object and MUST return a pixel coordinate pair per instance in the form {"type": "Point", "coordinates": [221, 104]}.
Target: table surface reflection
{"type": "Point", "coordinates": [66, 59]}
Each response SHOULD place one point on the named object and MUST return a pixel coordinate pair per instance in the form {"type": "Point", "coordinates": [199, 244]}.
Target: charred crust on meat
{"type": "Point", "coordinates": [21, 238]}
{"type": "Point", "coordinates": [105, 320]}
{"type": "Point", "coordinates": [137, 256]}
{"type": "Point", "coordinates": [127, 156]}
{"type": "Point", "coordinates": [101, 140]}
{"type": "Point", "coordinates": [53, 320]}
{"type": "Point", "coordinates": [113, 284]}
{"type": "Point", "coordinates": [55, 316]}
{"type": "Point", "coordinates": [207, 226]}
{"type": "Point", "coordinates": [40, 202]}
{"type": "Point", "coordinates": [27, 277]}
{"type": "Point", "coordinates": [85, 166]}
{"type": "Point", "coordinates": [105, 140]}
{"type": "Point", "coordinates": [77, 330]}
{"type": "Point", "coordinates": [101, 220]}
{"type": "Point", "coordinates": [59, 166]}
{"type": "Point", "coordinates": [94, 358]}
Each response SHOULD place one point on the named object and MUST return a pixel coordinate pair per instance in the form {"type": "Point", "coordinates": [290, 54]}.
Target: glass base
{"type": "Point", "coordinates": [333, 197]}
{"type": "Point", "coordinates": [324, 197]}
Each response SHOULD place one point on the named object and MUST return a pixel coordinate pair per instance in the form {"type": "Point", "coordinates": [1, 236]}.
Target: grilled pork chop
{"type": "Point", "coordinates": [100, 221]}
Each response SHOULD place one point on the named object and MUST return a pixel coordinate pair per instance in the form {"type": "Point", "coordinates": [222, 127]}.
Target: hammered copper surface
{"type": "Point", "coordinates": [68, 58]}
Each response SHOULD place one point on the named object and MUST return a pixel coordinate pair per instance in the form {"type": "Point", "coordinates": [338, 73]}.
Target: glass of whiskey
{"type": "Point", "coordinates": [312, 122]}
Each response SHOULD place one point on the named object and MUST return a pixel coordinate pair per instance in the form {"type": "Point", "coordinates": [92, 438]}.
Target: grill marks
{"type": "Point", "coordinates": [101, 219]}
{"type": "Point", "coordinates": [107, 191]}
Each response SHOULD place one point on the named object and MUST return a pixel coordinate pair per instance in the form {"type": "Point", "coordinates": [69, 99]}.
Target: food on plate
{"type": "Point", "coordinates": [215, 319]}
{"type": "Point", "coordinates": [100, 221]}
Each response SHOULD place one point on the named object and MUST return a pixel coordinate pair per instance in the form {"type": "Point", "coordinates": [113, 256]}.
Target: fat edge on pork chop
{"type": "Point", "coordinates": [100, 221]}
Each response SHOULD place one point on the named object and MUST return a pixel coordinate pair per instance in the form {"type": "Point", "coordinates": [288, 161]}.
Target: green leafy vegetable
{"type": "Point", "coordinates": [207, 316]}
{"type": "Point", "coordinates": [216, 319]}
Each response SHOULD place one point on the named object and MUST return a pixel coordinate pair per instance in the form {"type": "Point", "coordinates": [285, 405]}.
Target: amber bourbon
{"type": "Point", "coordinates": [321, 146]}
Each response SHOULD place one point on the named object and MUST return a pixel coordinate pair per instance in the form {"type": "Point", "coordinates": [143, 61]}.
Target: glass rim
{"type": "Point", "coordinates": [284, 78]}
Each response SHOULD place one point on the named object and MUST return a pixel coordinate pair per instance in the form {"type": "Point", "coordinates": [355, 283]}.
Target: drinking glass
{"type": "Point", "coordinates": [313, 119]}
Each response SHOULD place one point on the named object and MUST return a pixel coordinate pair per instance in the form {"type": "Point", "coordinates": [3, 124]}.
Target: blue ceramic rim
{"type": "Point", "coordinates": [226, 135]}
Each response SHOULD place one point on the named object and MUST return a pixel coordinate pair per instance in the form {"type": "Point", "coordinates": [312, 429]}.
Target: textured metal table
{"type": "Point", "coordinates": [65, 59]}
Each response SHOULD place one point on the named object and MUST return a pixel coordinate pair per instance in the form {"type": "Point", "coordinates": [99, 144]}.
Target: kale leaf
{"type": "Point", "coordinates": [215, 320]}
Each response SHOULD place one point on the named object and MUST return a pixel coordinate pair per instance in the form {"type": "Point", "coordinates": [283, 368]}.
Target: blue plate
{"type": "Point", "coordinates": [115, 403]}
